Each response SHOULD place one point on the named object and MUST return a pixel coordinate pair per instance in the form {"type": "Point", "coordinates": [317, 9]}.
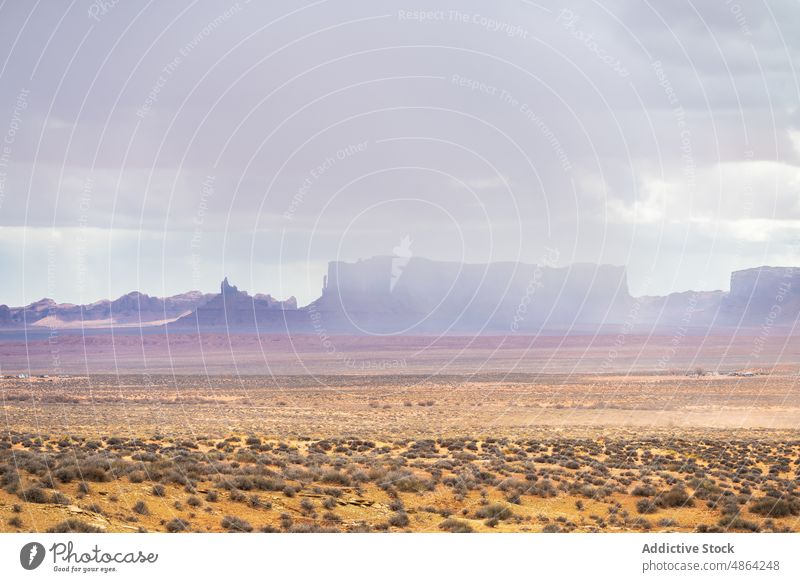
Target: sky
{"type": "Point", "coordinates": [162, 146]}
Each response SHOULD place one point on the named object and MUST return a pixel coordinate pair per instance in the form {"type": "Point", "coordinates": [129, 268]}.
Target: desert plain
{"type": "Point", "coordinates": [270, 434]}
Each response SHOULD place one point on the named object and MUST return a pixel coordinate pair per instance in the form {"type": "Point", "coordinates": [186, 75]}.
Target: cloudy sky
{"type": "Point", "coordinates": [161, 146]}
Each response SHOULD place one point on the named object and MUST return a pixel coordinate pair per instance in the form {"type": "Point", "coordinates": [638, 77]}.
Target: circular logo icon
{"type": "Point", "coordinates": [31, 555]}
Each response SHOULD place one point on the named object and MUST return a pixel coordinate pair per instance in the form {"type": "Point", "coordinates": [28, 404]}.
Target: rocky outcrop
{"type": "Point", "coordinates": [375, 296]}
{"type": "Point", "coordinates": [235, 310]}
{"type": "Point", "coordinates": [410, 295]}
{"type": "Point", "coordinates": [763, 296]}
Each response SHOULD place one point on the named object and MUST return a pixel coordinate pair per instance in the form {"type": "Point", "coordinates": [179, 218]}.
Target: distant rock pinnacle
{"type": "Point", "coordinates": [228, 289]}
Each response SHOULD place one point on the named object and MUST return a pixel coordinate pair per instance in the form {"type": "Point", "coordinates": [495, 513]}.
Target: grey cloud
{"type": "Point", "coordinates": [147, 103]}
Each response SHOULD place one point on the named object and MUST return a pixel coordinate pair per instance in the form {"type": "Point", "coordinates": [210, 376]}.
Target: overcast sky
{"type": "Point", "coordinates": [161, 146]}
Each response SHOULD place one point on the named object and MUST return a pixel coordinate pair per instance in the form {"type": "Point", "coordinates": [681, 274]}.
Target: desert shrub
{"type": "Point", "coordinates": [736, 522]}
{"type": "Point", "coordinates": [269, 484]}
{"type": "Point", "coordinates": [176, 525]}
{"type": "Point", "coordinates": [158, 490]}
{"type": "Point", "coordinates": [95, 470]}
{"type": "Point", "coordinates": [329, 503]}
{"type": "Point", "coordinates": [336, 478]}
{"type": "Point", "coordinates": [494, 511]}
{"type": "Point", "coordinates": [212, 496]}
{"type": "Point", "coordinates": [136, 476]}
{"type": "Point", "coordinates": [66, 474]}
{"type": "Point", "coordinates": [83, 487]}
{"type": "Point", "coordinates": [233, 523]}
{"type": "Point", "coordinates": [33, 495]}
{"type": "Point", "coordinates": [175, 477]}
{"type": "Point", "coordinates": [141, 508]}
{"type": "Point", "coordinates": [95, 508]}
{"type": "Point", "coordinates": [73, 525]}
{"type": "Point", "coordinates": [675, 497]}
{"type": "Point", "coordinates": [774, 507]}
{"type": "Point", "coordinates": [399, 519]}
{"type": "Point", "coordinates": [256, 502]}
{"type": "Point", "coordinates": [193, 501]}
{"type": "Point", "coordinates": [453, 525]}
{"type": "Point", "coordinates": [516, 499]}
{"type": "Point", "coordinates": [551, 528]}
{"type": "Point", "coordinates": [307, 505]}
{"type": "Point", "coordinates": [704, 488]}
{"type": "Point", "coordinates": [311, 528]}
{"type": "Point", "coordinates": [646, 506]}
{"type": "Point", "coordinates": [237, 495]}
{"type": "Point", "coordinates": [404, 481]}
{"type": "Point", "coordinates": [59, 498]}
{"type": "Point", "coordinates": [15, 521]}
{"type": "Point", "coordinates": [643, 491]}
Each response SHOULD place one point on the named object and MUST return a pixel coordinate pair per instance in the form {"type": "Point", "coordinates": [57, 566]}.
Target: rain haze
{"type": "Point", "coordinates": [161, 147]}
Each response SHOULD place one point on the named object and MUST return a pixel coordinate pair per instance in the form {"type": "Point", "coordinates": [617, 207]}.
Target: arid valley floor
{"type": "Point", "coordinates": [691, 449]}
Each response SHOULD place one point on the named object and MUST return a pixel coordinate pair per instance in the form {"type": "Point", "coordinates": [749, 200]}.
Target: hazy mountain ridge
{"type": "Point", "coordinates": [396, 295]}
{"type": "Point", "coordinates": [131, 309]}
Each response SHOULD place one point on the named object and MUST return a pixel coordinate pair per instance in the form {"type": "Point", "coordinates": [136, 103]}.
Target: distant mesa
{"type": "Point", "coordinates": [763, 296]}
{"type": "Point", "coordinates": [374, 296]}
{"type": "Point", "coordinates": [434, 296]}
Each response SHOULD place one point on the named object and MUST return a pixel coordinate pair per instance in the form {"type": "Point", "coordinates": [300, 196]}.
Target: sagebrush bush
{"type": "Point", "coordinates": [176, 525]}
{"type": "Point", "coordinates": [73, 525]}
{"type": "Point", "coordinates": [233, 523]}
{"type": "Point", "coordinates": [399, 519]}
{"type": "Point", "coordinates": [141, 508]}
{"type": "Point", "coordinates": [493, 511]}
{"type": "Point", "coordinates": [453, 525]}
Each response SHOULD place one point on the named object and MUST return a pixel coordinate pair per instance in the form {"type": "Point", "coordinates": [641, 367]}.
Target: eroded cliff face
{"type": "Point", "coordinates": [393, 294]}
{"type": "Point", "coordinates": [764, 282]}
{"type": "Point", "coordinates": [763, 296]}
{"type": "Point", "coordinates": [408, 295]}
{"type": "Point", "coordinates": [235, 309]}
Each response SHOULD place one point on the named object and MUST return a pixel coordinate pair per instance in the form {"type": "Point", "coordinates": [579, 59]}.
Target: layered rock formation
{"type": "Point", "coordinates": [375, 296]}
{"type": "Point", "coordinates": [408, 295]}
{"type": "Point", "coordinates": [762, 296]}
{"type": "Point", "coordinates": [234, 309]}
